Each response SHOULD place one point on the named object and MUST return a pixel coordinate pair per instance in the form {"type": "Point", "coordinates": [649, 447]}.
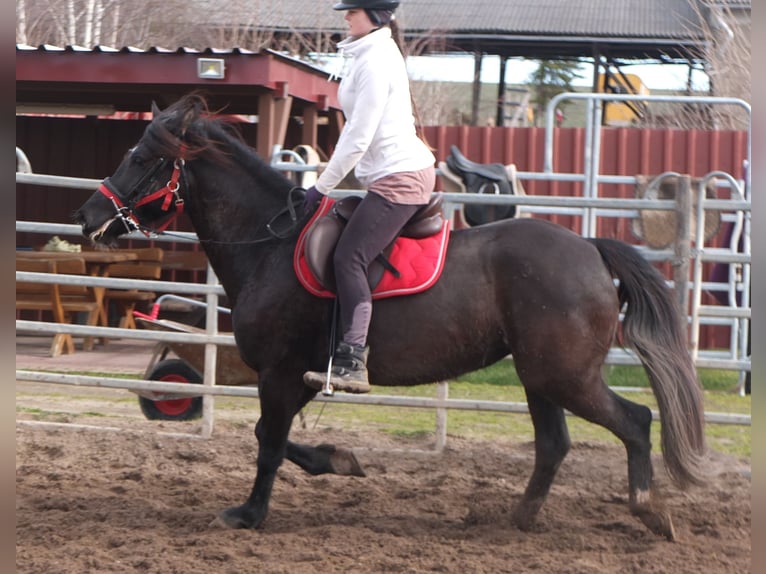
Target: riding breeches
{"type": "Point", "coordinates": [374, 224]}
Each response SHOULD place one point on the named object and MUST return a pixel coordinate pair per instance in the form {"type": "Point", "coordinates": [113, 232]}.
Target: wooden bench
{"type": "Point", "coordinates": [147, 265]}
{"type": "Point", "coordinates": [62, 301]}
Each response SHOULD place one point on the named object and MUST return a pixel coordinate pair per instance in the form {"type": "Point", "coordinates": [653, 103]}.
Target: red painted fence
{"type": "Point", "coordinates": [93, 148]}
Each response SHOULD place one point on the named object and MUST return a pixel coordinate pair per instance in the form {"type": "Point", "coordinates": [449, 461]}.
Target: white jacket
{"type": "Point", "coordinates": [378, 138]}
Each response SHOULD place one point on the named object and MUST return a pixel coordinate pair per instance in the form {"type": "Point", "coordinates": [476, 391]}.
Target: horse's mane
{"type": "Point", "coordinates": [189, 122]}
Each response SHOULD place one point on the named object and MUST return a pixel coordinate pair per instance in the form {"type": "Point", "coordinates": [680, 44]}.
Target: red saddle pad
{"type": "Point", "coordinates": [419, 262]}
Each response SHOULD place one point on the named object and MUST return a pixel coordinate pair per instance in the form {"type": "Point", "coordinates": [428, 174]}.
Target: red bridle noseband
{"type": "Point", "coordinates": [167, 194]}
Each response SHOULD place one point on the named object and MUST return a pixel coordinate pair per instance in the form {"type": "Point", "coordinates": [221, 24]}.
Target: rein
{"type": "Point", "coordinates": [270, 226]}
{"type": "Point", "coordinates": [125, 212]}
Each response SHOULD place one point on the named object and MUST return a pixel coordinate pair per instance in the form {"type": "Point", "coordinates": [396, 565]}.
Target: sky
{"type": "Point", "coordinates": [460, 69]}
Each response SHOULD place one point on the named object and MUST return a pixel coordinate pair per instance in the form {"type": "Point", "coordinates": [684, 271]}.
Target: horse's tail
{"type": "Point", "coordinates": [652, 327]}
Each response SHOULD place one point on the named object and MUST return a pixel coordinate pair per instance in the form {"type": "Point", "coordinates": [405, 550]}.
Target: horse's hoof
{"type": "Point", "coordinates": [660, 523]}
{"type": "Point", "coordinates": [218, 523]}
{"type": "Point", "coordinates": [345, 463]}
{"type": "Point", "coordinates": [524, 515]}
{"type": "Point", "coordinates": [522, 522]}
{"type": "Point", "coordinates": [236, 517]}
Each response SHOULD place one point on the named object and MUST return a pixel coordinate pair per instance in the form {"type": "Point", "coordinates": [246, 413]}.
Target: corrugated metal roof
{"type": "Point", "coordinates": [596, 18]}
{"type": "Point", "coordinates": [627, 29]}
{"type": "Point", "coordinates": [180, 50]}
{"type": "Point", "coordinates": [130, 78]}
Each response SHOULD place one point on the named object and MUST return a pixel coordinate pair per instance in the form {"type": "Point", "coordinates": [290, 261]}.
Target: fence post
{"type": "Point", "coordinates": [442, 393]}
{"type": "Point", "coordinates": [211, 355]}
{"type": "Point", "coordinates": [683, 246]}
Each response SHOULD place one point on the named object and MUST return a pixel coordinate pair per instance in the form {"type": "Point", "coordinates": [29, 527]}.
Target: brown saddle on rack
{"type": "Point", "coordinates": [324, 234]}
{"type": "Point", "coordinates": [659, 227]}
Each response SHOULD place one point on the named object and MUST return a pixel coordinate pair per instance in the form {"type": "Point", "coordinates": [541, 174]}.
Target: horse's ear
{"type": "Point", "coordinates": [155, 109]}
{"type": "Point", "coordinates": [191, 114]}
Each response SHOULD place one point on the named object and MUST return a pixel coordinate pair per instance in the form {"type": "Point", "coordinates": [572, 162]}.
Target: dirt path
{"type": "Point", "coordinates": [102, 502]}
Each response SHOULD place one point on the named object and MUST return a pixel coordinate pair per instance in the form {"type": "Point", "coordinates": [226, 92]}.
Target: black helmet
{"type": "Point", "coordinates": [390, 5]}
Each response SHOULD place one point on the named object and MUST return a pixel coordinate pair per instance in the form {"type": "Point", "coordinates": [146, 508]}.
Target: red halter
{"type": "Point", "coordinates": [166, 193]}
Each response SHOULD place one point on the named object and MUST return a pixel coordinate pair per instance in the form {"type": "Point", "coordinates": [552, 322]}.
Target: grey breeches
{"type": "Point", "coordinates": [373, 225]}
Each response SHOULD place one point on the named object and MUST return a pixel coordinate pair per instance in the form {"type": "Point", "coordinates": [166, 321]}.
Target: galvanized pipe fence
{"type": "Point", "coordinates": [590, 206]}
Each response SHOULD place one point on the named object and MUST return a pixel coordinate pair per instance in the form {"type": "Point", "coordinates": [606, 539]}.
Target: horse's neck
{"type": "Point", "coordinates": [230, 210]}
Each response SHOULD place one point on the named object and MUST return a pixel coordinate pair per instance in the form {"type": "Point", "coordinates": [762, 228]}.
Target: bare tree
{"type": "Point", "coordinates": [202, 24]}
{"type": "Point", "coordinates": [21, 21]}
{"type": "Point", "coordinates": [728, 57]}
{"type": "Point", "coordinates": [726, 53]}
{"type": "Point", "coordinates": [88, 23]}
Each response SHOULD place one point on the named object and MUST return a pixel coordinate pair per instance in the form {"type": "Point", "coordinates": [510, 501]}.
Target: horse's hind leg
{"type": "Point", "coordinates": [645, 501]}
{"type": "Point", "coordinates": [631, 423]}
{"type": "Point", "coordinates": [551, 446]}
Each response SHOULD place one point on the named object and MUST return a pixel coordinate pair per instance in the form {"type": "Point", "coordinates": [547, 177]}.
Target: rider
{"type": "Point", "coordinates": [380, 143]}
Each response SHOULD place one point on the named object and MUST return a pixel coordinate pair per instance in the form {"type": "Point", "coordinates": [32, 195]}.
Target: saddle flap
{"type": "Point", "coordinates": [320, 243]}
{"type": "Point", "coordinates": [321, 240]}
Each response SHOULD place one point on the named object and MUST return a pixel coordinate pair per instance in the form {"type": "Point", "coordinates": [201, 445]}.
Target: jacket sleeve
{"type": "Point", "coordinates": [371, 87]}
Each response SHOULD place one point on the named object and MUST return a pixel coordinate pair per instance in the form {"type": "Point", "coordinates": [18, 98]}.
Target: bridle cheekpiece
{"type": "Point", "coordinates": [169, 193]}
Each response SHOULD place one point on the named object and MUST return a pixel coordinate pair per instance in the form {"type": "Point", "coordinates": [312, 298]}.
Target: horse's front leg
{"type": "Point", "coordinates": [323, 458]}
{"type": "Point", "coordinates": [280, 401]}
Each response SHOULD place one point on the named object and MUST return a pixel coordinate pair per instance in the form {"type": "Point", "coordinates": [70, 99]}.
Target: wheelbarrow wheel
{"type": "Point", "coordinates": [182, 409]}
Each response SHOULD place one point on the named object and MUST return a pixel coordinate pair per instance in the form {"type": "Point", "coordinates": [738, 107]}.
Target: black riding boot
{"type": "Point", "coordinates": [349, 371]}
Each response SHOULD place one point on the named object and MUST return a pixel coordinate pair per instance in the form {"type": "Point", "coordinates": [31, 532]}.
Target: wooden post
{"type": "Point", "coordinates": [476, 97]}
{"type": "Point", "coordinates": [335, 126]}
{"type": "Point", "coordinates": [501, 107]}
{"type": "Point", "coordinates": [309, 131]}
{"type": "Point", "coordinates": [282, 109]}
{"type": "Point", "coordinates": [683, 246]}
{"type": "Point", "coordinates": [265, 137]}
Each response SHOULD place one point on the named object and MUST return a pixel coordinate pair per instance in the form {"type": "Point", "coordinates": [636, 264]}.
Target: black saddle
{"type": "Point", "coordinates": [482, 178]}
{"type": "Point", "coordinates": [325, 232]}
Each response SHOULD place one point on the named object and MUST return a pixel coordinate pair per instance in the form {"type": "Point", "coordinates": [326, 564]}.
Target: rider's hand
{"type": "Point", "coordinates": [310, 200]}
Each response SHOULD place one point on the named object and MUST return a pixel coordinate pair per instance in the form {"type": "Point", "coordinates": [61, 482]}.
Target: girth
{"type": "Point", "coordinates": [325, 232]}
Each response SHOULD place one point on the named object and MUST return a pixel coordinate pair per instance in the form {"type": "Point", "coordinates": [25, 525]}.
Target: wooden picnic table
{"type": "Point", "coordinates": [97, 264]}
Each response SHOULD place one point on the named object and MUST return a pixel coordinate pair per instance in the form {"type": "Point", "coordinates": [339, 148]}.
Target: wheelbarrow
{"type": "Point", "coordinates": [186, 366]}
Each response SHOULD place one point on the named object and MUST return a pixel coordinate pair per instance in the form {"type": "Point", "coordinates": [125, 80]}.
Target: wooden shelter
{"type": "Point", "coordinates": [267, 86]}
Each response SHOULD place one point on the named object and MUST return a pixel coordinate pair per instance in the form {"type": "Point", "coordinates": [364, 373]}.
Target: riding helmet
{"type": "Point", "coordinates": [367, 5]}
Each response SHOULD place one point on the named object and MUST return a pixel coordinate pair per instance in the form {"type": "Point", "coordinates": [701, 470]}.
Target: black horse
{"type": "Point", "coordinates": [523, 287]}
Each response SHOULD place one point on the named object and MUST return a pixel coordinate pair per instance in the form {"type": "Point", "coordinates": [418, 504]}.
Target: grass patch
{"type": "Point", "coordinates": [484, 385]}
{"type": "Point", "coordinates": [47, 415]}
{"type": "Point", "coordinates": [503, 373]}
{"type": "Point", "coordinates": [498, 382]}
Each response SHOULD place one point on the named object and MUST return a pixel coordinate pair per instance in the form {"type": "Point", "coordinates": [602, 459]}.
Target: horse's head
{"type": "Point", "coordinates": [146, 190]}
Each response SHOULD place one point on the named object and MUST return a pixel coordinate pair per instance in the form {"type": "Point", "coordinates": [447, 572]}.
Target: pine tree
{"type": "Point", "coordinates": [550, 78]}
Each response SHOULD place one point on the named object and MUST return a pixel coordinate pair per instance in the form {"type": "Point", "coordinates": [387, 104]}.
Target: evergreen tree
{"type": "Point", "coordinates": [550, 78]}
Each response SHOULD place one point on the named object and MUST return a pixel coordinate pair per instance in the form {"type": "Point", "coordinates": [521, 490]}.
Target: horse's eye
{"type": "Point", "coordinates": [138, 160]}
